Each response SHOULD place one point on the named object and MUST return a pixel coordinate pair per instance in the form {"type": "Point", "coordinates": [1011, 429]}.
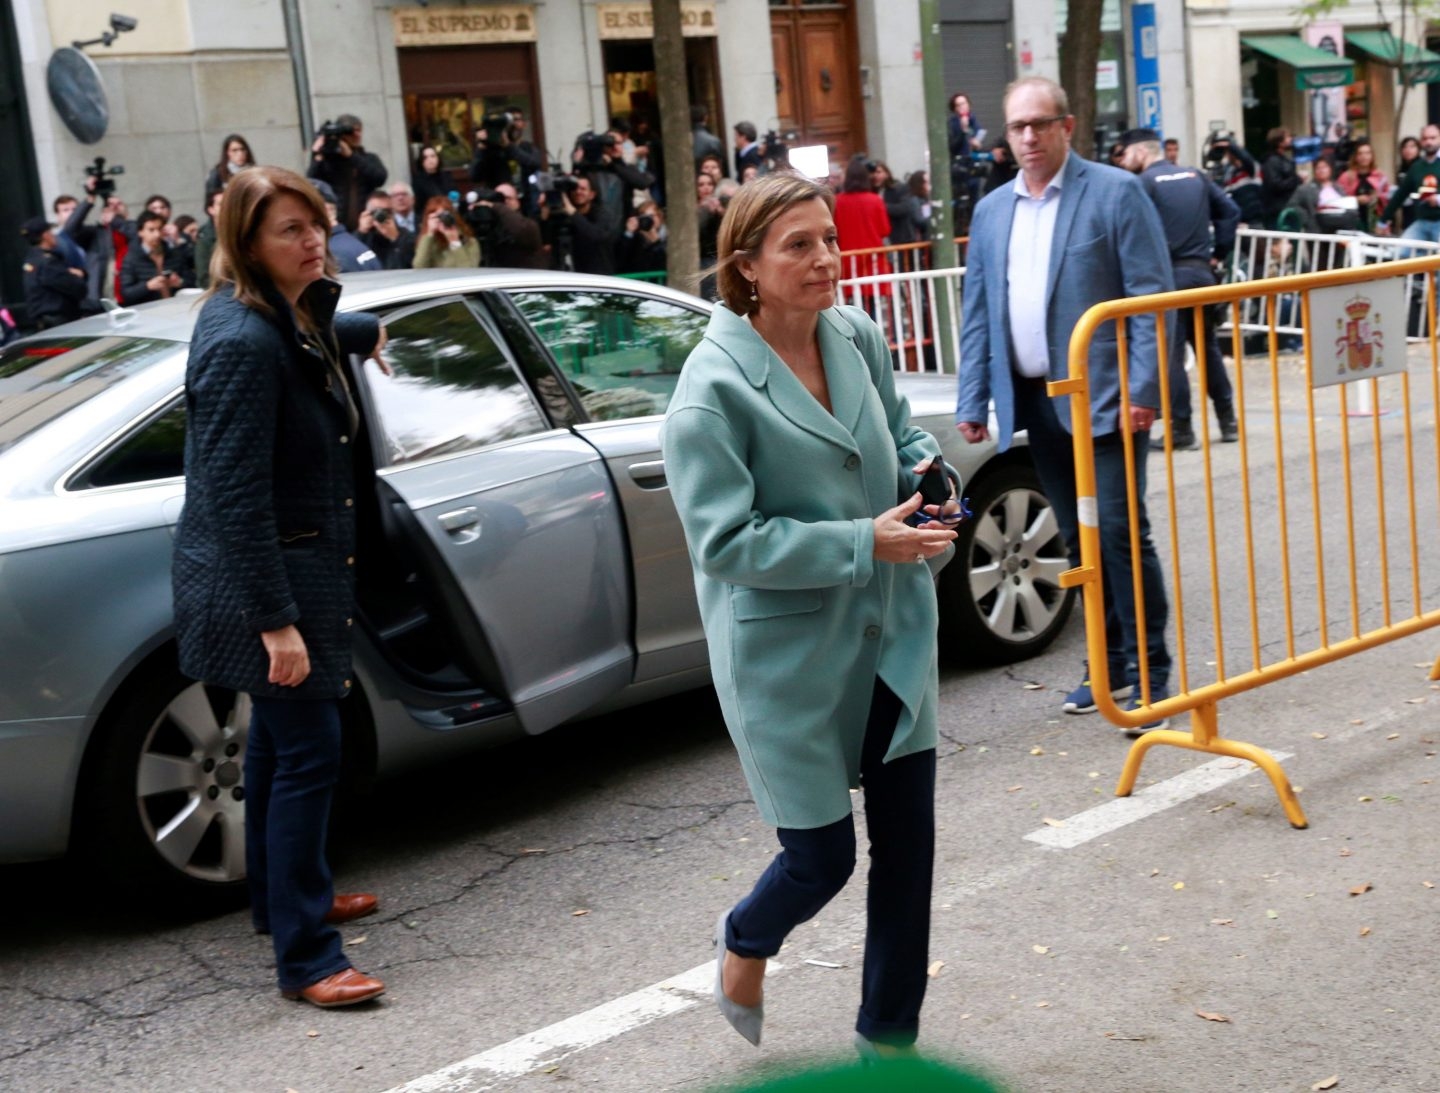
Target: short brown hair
{"type": "Point", "coordinates": [248, 197]}
{"type": "Point", "coordinates": [1057, 94]}
{"type": "Point", "coordinates": [755, 206]}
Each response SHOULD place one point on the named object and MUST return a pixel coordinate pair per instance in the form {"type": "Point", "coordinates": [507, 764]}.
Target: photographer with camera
{"type": "Point", "coordinates": [448, 242]}
{"type": "Point", "coordinates": [517, 241]}
{"type": "Point", "coordinates": [642, 250]}
{"type": "Point", "coordinates": [338, 157]}
{"type": "Point", "coordinates": [594, 232]}
{"type": "Point", "coordinates": [380, 230]}
{"type": "Point", "coordinates": [1237, 173]}
{"type": "Point", "coordinates": [503, 155]}
{"type": "Point", "coordinates": [597, 157]}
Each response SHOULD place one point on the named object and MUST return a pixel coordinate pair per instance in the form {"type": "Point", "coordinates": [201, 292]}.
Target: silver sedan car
{"type": "Point", "coordinates": [522, 562]}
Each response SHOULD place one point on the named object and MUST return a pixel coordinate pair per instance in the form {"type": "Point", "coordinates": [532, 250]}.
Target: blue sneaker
{"type": "Point", "coordinates": [1082, 699]}
{"type": "Point", "coordinates": [1157, 694]}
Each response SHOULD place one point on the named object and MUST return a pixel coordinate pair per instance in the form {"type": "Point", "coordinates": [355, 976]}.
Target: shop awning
{"type": "Point", "coordinates": [1420, 65]}
{"type": "Point", "coordinates": [1314, 68]}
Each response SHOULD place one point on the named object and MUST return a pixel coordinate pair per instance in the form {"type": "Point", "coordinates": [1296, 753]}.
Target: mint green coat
{"type": "Point", "coordinates": [777, 498]}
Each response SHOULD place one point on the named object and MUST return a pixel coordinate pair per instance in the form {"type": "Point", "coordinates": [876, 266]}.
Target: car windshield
{"type": "Point", "coordinates": [40, 380]}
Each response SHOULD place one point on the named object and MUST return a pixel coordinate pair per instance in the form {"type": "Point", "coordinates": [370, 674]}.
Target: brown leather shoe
{"type": "Point", "coordinates": [341, 989]}
{"type": "Point", "coordinates": [351, 906]}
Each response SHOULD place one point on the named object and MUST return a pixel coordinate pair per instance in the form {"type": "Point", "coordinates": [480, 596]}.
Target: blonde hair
{"type": "Point", "coordinates": [248, 197]}
{"type": "Point", "coordinates": [755, 206]}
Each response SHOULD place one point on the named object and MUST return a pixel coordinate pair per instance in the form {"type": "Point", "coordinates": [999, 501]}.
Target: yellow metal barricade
{"type": "Point", "coordinates": [1257, 549]}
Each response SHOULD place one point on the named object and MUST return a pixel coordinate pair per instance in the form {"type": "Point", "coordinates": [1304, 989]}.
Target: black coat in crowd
{"type": "Point", "coordinates": [353, 178]}
{"type": "Point", "coordinates": [1278, 180]}
{"type": "Point", "coordinates": [267, 535]}
{"type": "Point", "coordinates": [139, 267]}
{"type": "Point", "coordinates": [53, 294]}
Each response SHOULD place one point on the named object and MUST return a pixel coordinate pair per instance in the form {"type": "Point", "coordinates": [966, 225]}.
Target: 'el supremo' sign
{"type": "Point", "coordinates": [493, 23]}
{"type": "Point", "coordinates": [1357, 331]}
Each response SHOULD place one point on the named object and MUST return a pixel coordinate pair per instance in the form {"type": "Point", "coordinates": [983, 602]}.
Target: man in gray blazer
{"type": "Point", "coordinates": [1069, 234]}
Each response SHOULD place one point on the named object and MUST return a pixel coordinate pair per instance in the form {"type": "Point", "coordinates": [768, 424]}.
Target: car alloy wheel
{"type": "Point", "coordinates": [190, 783]}
{"type": "Point", "coordinates": [1000, 599]}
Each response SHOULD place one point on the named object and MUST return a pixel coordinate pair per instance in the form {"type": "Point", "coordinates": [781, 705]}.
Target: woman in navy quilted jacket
{"type": "Point", "coordinates": [265, 551]}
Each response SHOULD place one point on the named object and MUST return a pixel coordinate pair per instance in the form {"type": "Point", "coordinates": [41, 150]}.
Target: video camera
{"type": "Point", "coordinates": [1216, 150]}
{"type": "Point", "coordinates": [104, 184]}
{"type": "Point", "coordinates": [777, 146]}
{"type": "Point", "coordinates": [496, 127]}
{"type": "Point", "coordinates": [332, 134]}
{"type": "Point", "coordinates": [594, 147]}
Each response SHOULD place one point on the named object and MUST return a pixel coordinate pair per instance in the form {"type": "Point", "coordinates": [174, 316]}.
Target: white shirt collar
{"type": "Point", "coordinates": [1054, 185]}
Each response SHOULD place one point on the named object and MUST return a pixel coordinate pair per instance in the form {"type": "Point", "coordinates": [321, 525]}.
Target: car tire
{"type": "Point", "coordinates": [162, 806]}
{"type": "Point", "coordinates": [1000, 600]}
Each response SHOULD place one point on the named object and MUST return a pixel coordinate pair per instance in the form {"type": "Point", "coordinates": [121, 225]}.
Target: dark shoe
{"type": "Point", "coordinates": [1157, 694]}
{"type": "Point", "coordinates": [1229, 427]}
{"type": "Point", "coordinates": [1082, 698]}
{"type": "Point", "coordinates": [345, 988]}
{"type": "Point", "coordinates": [350, 906]}
{"type": "Point", "coordinates": [1182, 436]}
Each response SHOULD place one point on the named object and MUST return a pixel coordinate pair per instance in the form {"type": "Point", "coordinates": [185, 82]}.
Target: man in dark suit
{"type": "Point", "coordinates": [1088, 234]}
{"type": "Point", "coordinates": [748, 152]}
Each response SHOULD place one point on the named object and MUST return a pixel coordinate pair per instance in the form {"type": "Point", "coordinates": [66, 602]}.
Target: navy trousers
{"type": "Point", "coordinates": [1052, 448]}
{"type": "Point", "coordinates": [1191, 274]}
{"type": "Point", "coordinates": [292, 762]}
{"type": "Point", "coordinates": [814, 864]}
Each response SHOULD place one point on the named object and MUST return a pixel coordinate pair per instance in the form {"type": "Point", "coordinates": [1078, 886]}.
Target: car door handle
{"type": "Point", "coordinates": [460, 519]}
{"type": "Point", "coordinates": [649, 476]}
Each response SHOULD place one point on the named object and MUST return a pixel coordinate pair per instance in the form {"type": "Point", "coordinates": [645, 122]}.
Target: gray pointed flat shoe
{"type": "Point", "coordinates": [746, 1020]}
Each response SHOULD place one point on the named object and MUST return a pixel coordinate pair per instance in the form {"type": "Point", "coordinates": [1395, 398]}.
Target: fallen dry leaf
{"type": "Point", "coordinates": [313, 1033]}
{"type": "Point", "coordinates": [1365, 800]}
{"type": "Point", "coordinates": [1415, 701]}
{"type": "Point", "coordinates": [933, 971]}
{"type": "Point", "coordinates": [1222, 922]}
{"type": "Point", "coordinates": [1427, 884]}
{"type": "Point", "coordinates": [1048, 822]}
{"type": "Point", "coordinates": [824, 963]}
{"type": "Point", "coordinates": [1393, 736]}
{"type": "Point", "coordinates": [1218, 1017]}
{"type": "Point", "coordinates": [1272, 914]}
{"type": "Point", "coordinates": [358, 940]}
{"type": "Point", "coordinates": [1117, 1036]}
{"type": "Point", "coordinates": [1041, 949]}
{"type": "Point", "coordinates": [1360, 889]}
{"type": "Point", "coordinates": [1034, 686]}
{"type": "Point", "coordinates": [1345, 852]}
{"type": "Point", "coordinates": [1221, 808]}
{"type": "Point", "coordinates": [1037, 750]}
{"type": "Point", "coordinates": [1179, 884]}
{"type": "Point", "coordinates": [1163, 937]}
{"type": "Point", "coordinates": [532, 850]}
{"type": "Point", "coordinates": [577, 914]}
{"type": "Point", "coordinates": [1154, 872]}
{"type": "Point", "coordinates": [1042, 1005]}
{"type": "Point", "coordinates": [1334, 1079]}
{"type": "Point", "coordinates": [1014, 789]}
{"type": "Point", "coordinates": [1364, 931]}
{"type": "Point", "coordinates": [1318, 735]}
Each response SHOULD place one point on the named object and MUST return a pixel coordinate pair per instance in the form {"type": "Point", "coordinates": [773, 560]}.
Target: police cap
{"type": "Point", "coordinates": [327, 194]}
{"type": "Point", "coordinates": [1138, 136]}
{"type": "Point", "coordinates": [34, 228]}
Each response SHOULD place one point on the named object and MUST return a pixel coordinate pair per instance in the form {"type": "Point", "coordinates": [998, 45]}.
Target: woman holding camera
{"type": "Point", "coordinates": [448, 242]}
{"type": "Point", "coordinates": [264, 552]}
{"type": "Point", "coordinates": [786, 447]}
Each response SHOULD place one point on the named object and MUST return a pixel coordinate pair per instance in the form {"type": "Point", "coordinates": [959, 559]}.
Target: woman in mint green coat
{"type": "Point", "coordinates": [787, 449]}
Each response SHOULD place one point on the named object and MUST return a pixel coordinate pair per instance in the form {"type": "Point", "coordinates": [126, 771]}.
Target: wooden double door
{"type": "Point", "coordinates": [817, 75]}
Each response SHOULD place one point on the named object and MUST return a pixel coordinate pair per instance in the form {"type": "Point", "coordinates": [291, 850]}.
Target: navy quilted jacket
{"type": "Point", "coordinates": [267, 536]}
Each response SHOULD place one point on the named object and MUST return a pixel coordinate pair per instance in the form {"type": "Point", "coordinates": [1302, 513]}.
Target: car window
{"type": "Point", "coordinates": [622, 352]}
{"type": "Point", "coordinates": [453, 388]}
{"type": "Point", "coordinates": [42, 379]}
{"type": "Point", "coordinates": [153, 452]}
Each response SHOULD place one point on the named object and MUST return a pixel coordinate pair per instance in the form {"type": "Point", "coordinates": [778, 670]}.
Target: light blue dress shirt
{"type": "Point", "coordinates": [1028, 271]}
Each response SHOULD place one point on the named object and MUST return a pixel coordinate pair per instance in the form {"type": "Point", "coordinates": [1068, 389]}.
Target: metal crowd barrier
{"type": "Point", "coordinates": [1314, 538]}
{"type": "Point", "coordinates": [897, 286]}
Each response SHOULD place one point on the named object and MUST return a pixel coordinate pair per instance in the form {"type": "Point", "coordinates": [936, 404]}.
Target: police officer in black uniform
{"type": "Point", "coordinates": [54, 291]}
{"type": "Point", "coordinates": [1190, 206]}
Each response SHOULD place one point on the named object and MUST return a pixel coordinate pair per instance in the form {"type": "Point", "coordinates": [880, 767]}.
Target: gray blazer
{"type": "Point", "coordinates": [1108, 244]}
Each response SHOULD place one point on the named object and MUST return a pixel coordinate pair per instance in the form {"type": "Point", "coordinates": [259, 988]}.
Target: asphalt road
{"type": "Point", "coordinates": [559, 881]}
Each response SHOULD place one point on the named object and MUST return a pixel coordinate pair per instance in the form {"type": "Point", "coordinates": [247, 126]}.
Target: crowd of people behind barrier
{"type": "Point", "coordinates": [605, 210]}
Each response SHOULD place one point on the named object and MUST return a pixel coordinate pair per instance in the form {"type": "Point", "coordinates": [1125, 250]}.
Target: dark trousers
{"type": "Point", "coordinates": [1052, 448]}
{"type": "Point", "coordinates": [292, 762]}
{"type": "Point", "coordinates": [1196, 274]}
{"type": "Point", "coordinates": [815, 863]}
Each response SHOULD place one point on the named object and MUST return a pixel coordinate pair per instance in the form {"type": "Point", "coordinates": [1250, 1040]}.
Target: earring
{"type": "Point", "coordinates": [755, 292]}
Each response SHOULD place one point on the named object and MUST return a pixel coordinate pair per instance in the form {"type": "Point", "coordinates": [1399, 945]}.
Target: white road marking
{"type": "Point", "coordinates": [1103, 819]}
{"type": "Point", "coordinates": [549, 1045]}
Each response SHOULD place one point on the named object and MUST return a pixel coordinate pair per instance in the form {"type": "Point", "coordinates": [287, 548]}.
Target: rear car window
{"type": "Point", "coordinates": [40, 380]}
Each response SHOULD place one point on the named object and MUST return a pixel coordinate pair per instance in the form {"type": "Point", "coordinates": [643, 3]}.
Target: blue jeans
{"type": "Point", "coordinates": [1426, 230]}
{"type": "Point", "coordinates": [292, 762]}
{"type": "Point", "coordinates": [815, 863]}
{"type": "Point", "coordinates": [1052, 448]}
